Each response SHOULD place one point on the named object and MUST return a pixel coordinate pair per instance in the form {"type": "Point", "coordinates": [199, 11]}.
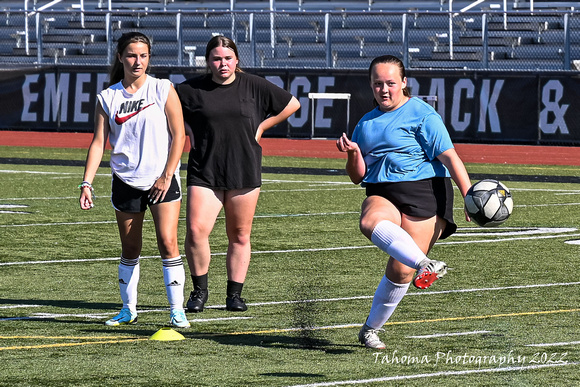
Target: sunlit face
{"type": "Point", "coordinates": [388, 86]}
{"type": "Point", "coordinates": [222, 62]}
{"type": "Point", "coordinates": [135, 59]}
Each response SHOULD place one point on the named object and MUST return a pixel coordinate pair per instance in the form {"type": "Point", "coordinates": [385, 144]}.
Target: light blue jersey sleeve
{"type": "Point", "coordinates": [433, 136]}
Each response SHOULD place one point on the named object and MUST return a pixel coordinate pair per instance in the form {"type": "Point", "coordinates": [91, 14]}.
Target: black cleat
{"type": "Point", "coordinates": [197, 300]}
{"type": "Point", "coordinates": [236, 304]}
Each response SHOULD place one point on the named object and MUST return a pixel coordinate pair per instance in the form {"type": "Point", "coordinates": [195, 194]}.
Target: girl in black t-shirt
{"type": "Point", "coordinates": [226, 112]}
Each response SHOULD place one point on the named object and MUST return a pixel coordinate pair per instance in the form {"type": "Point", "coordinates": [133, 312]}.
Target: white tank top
{"type": "Point", "coordinates": [139, 135]}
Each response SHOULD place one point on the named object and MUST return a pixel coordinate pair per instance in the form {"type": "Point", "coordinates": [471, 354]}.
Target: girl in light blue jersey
{"type": "Point", "coordinates": [402, 154]}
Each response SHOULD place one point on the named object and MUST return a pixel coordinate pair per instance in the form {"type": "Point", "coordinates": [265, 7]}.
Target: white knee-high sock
{"type": "Point", "coordinates": [396, 242]}
{"type": "Point", "coordinates": [387, 297]}
{"type": "Point", "coordinates": [129, 273]}
{"type": "Point", "coordinates": [174, 278]}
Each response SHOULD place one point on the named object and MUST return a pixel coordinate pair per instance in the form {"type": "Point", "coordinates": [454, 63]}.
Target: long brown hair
{"type": "Point", "coordinates": [390, 59]}
{"type": "Point", "coordinates": [116, 70]}
{"type": "Point", "coordinates": [222, 41]}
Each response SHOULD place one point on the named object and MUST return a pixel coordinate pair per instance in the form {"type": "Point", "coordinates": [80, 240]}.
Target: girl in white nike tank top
{"type": "Point", "coordinates": [142, 118]}
{"type": "Point", "coordinates": [138, 130]}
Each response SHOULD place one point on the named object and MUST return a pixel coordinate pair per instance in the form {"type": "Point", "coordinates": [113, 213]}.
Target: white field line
{"type": "Point", "coordinates": [105, 197]}
{"type": "Point", "coordinates": [15, 171]}
{"type": "Point", "coordinates": [181, 219]}
{"type": "Point", "coordinates": [438, 244]}
{"type": "Point", "coordinates": [197, 320]}
{"type": "Point", "coordinates": [265, 190]}
{"type": "Point", "coordinates": [419, 293]}
{"type": "Point", "coordinates": [309, 182]}
{"type": "Point", "coordinates": [184, 194]}
{"type": "Point", "coordinates": [20, 306]}
{"type": "Point", "coordinates": [306, 214]}
{"type": "Point", "coordinates": [265, 180]}
{"type": "Point", "coordinates": [57, 224]}
{"type": "Point", "coordinates": [448, 334]}
{"type": "Point", "coordinates": [439, 374]}
{"type": "Point", "coordinates": [312, 182]}
{"type": "Point", "coordinates": [44, 198]}
{"type": "Point", "coordinates": [289, 302]}
{"type": "Point", "coordinates": [308, 189]}
{"type": "Point", "coordinates": [510, 231]}
{"type": "Point", "coordinates": [42, 315]}
{"type": "Point", "coordinates": [553, 344]}
{"type": "Point", "coordinates": [102, 316]}
{"type": "Point", "coordinates": [509, 239]}
{"type": "Point", "coordinates": [547, 205]}
{"type": "Point", "coordinates": [338, 248]}
{"type": "Point", "coordinates": [60, 315]}
{"type": "Point", "coordinates": [48, 172]}
{"type": "Point", "coordinates": [563, 190]}
{"type": "Point", "coordinates": [414, 293]}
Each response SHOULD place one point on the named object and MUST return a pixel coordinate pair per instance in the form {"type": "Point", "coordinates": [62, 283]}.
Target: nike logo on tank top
{"type": "Point", "coordinates": [129, 109]}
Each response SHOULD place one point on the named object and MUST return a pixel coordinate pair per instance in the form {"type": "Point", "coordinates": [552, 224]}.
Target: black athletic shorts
{"type": "Point", "coordinates": [423, 198]}
{"type": "Point", "coordinates": [128, 199]}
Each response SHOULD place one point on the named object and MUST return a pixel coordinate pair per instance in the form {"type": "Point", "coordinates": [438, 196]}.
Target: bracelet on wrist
{"type": "Point", "coordinates": [86, 184]}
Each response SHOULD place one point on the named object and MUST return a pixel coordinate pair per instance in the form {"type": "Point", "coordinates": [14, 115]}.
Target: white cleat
{"type": "Point", "coordinates": [369, 337]}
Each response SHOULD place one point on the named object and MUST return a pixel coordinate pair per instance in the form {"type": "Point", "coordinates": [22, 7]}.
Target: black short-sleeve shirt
{"type": "Point", "coordinates": [224, 120]}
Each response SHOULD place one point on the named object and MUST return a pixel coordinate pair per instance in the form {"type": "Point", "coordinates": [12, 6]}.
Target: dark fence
{"type": "Point", "coordinates": [491, 40]}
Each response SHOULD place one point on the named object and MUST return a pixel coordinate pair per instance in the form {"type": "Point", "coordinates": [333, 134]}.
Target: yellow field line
{"type": "Point", "coordinates": [69, 344]}
{"type": "Point", "coordinates": [417, 321]}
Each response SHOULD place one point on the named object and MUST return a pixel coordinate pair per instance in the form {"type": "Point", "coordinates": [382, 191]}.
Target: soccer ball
{"type": "Point", "coordinates": [489, 203]}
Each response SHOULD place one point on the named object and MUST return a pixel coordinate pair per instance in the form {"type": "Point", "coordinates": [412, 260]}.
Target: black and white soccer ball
{"type": "Point", "coordinates": [489, 203]}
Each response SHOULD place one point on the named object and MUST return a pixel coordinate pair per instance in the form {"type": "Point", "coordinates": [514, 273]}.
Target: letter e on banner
{"type": "Point", "coordinates": [29, 97]}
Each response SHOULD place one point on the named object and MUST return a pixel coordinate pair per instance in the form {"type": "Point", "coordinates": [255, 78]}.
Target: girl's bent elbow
{"type": "Point", "coordinates": [356, 180]}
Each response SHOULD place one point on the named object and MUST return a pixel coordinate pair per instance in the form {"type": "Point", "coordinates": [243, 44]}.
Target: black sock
{"type": "Point", "coordinates": [234, 288]}
{"type": "Point", "coordinates": [199, 281]}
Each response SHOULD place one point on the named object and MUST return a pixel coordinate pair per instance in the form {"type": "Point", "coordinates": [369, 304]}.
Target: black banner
{"type": "Point", "coordinates": [490, 107]}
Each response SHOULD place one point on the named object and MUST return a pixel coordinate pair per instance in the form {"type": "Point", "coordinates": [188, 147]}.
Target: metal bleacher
{"type": "Point", "coordinates": [539, 35]}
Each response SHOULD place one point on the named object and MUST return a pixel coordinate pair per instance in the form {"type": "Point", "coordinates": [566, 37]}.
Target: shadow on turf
{"type": "Point", "coordinates": [292, 375]}
{"type": "Point", "coordinates": [250, 339]}
{"type": "Point", "coordinates": [277, 341]}
{"type": "Point", "coordinates": [300, 339]}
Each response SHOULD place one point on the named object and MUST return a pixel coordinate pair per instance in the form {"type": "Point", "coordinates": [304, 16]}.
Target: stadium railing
{"type": "Point", "coordinates": [494, 40]}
